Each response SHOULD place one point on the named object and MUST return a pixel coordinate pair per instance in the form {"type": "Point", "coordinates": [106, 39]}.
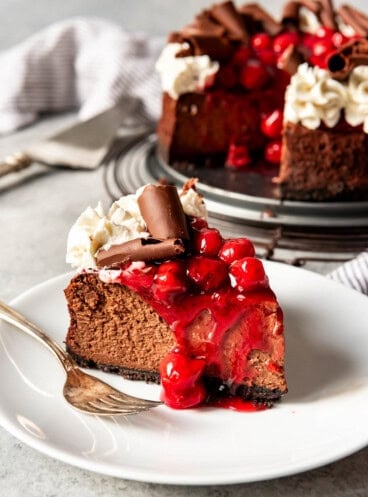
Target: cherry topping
{"type": "Point", "coordinates": [181, 380]}
{"type": "Point", "coordinates": [273, 152]}
{"type": "Point", "coordinates": [324, 32]}
{"type": "Point", "coordinates": [235, 249]}
{"type": "Point", "coordinates": [169, 281]}
{"type": "Point", "coordinates": [261, 41]}
{"type": "Point", "coordinates": [268, 57]}
{"type": "Point", "coordinates": [254, 75]}
{"type": "Point", "coordinates": [198, 223]}
{"type": "Point", "coordinates": [322, 48]}
{"type": "Point", "coordinates": [207, 273]}
{"type": "Point", "coordinates": [247, 274]}
{"type": "Point", "coordinates": [284, 40]}
{"type": "Point", "coordinates": [271, 124]}
{"type": "Point", "coordinates": [238, 156]}
{"type": "Point", "coordinates": [242, 56]}
{"type": "Point", "coordinates": [338, 39]}
{"type": "Point", "coordinates": [208, 241]}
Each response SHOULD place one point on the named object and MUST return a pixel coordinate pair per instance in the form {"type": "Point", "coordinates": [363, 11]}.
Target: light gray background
{"type": "Point", "coordinates": [32, 249]}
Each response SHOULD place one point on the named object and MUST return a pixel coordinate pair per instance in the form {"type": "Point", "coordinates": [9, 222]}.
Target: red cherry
{"type": "Point", "coordinates": [207, 273]}
{"type": "Point", "coordinates": [318, 61]}
{"type": "Point", "coordinates": [261, 41]}
{"type": "Point", "coordinates": [283, 41]}
{"type": "Point", "coordinates": [268, 57]}
{"type": "Point", "coordinates": [338, 39]}
{"type": "Point", "coordinates": [169, 281]}
{"type": "Point", "coordinates": [273, 152]}
{"type": "Point", "coordinates": [254, 75]}
{"type": "Point", "coordinates": [198, 223]}
{"type": "Point", "coordinates": [235, 249]}
{"type": "Point", "coordinates": [241, 56]}
{"type": "Point", "coordinates": [248, 274]}
{"type": "Point", "coordinates": [322, 48]}
{"type": "Point", "coordinates": [238, 156]}
{"type": "Point", "coordinates": [271, 124]}
{"type": "Point", "coordinates": [181, 380]}
{"type": "Point", "coordinates": [208, 241]}
{"type": "Point", "coordinates": [324, 32]}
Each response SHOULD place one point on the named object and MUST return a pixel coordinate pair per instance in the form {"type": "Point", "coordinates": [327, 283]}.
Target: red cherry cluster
{"type": "Point", "coordinates": [181, 379]}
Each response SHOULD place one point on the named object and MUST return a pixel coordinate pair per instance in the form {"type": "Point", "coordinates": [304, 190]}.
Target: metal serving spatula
{"type": "Point", "coordinates": [82, 145]}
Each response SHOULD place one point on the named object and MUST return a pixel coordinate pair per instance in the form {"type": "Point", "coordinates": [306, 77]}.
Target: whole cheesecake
{"type": "Point", "coordinates": [248, 91]}
{"type": "Point", "coordinates": [160, 296]}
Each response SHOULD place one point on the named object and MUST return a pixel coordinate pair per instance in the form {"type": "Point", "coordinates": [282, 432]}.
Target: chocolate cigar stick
{"type": "Point", "coordinates": [355, 19]}
{"type": "Point", "coordinates": [226, 15]}
{"type": "Point", "coordinates": [327, 15]}
{"type": "Point", "coordinates": [351, 55]}
{"type": "Point", "coordinates": [290, 15]}
{"type": "Point", "coordinates": [163, 212]}
{"type": "Point", "coordinates": [140, 249]}
{"type": "Point", "coordinates": [290, 60]}
{"type": "Point", "coordinates": [270, 25]}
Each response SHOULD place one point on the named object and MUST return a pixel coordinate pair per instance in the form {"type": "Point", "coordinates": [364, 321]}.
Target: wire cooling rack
{"type": "Point", "coordinates": [294, 236]}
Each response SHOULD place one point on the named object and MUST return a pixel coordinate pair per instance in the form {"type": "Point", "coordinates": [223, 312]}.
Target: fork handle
{"type": "Point", "coordinates": [21, 322]}
{"type": "Point", "coordinates": [14, 163]}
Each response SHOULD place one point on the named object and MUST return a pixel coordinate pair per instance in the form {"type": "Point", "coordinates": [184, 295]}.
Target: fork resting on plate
{"type": "Point", "coordinates": [83, 391]}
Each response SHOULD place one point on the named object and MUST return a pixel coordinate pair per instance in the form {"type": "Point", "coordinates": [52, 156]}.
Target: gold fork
{"type": "Point", "coordinates": [83, 391]}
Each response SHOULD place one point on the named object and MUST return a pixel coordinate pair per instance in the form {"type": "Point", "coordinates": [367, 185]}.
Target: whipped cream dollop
{"type": "Point", "coordinates": [184, 74]}
{"type": "Point", "coordinates": [356, 111]}
{"type": "Point", "coordinates": [94, 229]}
{"type": "Point", "coordinates": [313, 96]}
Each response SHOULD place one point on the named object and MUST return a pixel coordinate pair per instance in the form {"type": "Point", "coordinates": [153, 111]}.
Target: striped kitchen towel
{"type": "Point", "coordinates": [80, 63]}
{"type": "Point", "coordinates": [353, 273]}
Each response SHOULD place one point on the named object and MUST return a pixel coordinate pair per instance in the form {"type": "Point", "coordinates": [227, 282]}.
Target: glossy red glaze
{"type": "Point", "coordinates": [202, 308]}
{"type": "Point", "coordinates": [238, 404]}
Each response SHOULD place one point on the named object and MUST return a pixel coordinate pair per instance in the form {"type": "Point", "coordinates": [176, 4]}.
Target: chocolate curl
{"type": "Point", "coordinates": [355, 19]}
{"type": "Point", "coordinates": [270, 25]}
{"type": "Point", "coordinates": [216, 48]}
{"type": "Point", "coordinates": [163, 212]}
{"type": "Point", "coordinates": [140, 249]}
{"type": "Point", "coordinates": [203, 26]}
{"type": "Point", "coordinates": [313, 5]}
{"type": "Point", "coordinates": [327, 15]}
{"type": "Point", "coordinates": [226, 14]}
{"type": "Point", "coordinates": [342, 61]}
{"type": "Point", "coordinates": [290, 15]}
{"type": "Point", "coordinates": [290, 60]}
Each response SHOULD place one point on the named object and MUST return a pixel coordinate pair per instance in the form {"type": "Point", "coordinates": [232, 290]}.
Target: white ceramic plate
{"type": "Point", "coordinates": [323, 418]}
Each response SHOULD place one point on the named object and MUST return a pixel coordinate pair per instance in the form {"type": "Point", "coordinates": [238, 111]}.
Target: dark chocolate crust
{"type": "Point", "coordinates": [214, 386]}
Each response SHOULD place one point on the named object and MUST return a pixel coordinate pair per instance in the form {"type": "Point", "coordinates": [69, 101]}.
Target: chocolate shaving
{"type": "Point", "coordinates": [226, 14]}
{"type": "Point", "coordinates": [140, 249]}
{"type": "Point", "coordinates": [342, 61]}
{"type": "Point", "coordinates": [327, 15]}
{"type": "Point", "coordinates": [216, 48]}
{"type": "Point", "coordinates": [163, 212]}
{"type": "Point", "coordinates": [355, 19]}
{"type": "Point", "coordinates": [203, 25]}
{"type": "Point", "coordinates": [290, 15]}
{"type": "Point", "coordinates": [313, 5]}
{"type": "Point", "coordinates": [270, 25]}
{"type": "Point", "coordinates": [290, 59]}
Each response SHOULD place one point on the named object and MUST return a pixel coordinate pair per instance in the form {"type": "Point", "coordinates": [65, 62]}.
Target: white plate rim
{"type": "Point", "coordinates": [144, 476]}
